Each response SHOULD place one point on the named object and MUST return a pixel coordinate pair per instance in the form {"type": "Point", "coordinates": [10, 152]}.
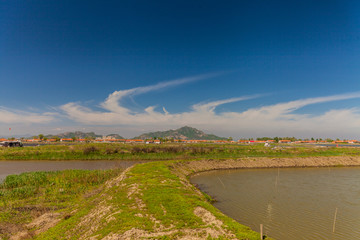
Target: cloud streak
{"type": "Point", "coordinates": [112, 101]}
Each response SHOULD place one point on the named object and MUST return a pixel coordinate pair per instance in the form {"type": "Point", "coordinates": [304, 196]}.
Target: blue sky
{"type": "Point", "coordinates": [233, 68]}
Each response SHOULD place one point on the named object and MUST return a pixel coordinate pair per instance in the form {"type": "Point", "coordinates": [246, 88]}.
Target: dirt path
{"type": "Point", "coordinates": [191, 167]}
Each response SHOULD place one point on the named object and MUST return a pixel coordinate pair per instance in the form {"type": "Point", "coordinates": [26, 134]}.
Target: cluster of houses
{"type": "Point", "coordinates": [157, 141]}
{"type": "Point", "coordinates": [301, 141]}
{"type": "Point", "coordinates": [112, 140]}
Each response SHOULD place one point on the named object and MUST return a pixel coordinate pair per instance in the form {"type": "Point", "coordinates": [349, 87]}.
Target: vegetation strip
{"type": "Point", "coordinates": [169, 151]}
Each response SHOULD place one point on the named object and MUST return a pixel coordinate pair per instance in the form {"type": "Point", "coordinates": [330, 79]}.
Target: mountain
{"type": "Point", "coordinates": [116, 136]}
{"type": "Point", "coordinates": [181, 133]}
{"type": "Point", "coordinates": [77, 134]}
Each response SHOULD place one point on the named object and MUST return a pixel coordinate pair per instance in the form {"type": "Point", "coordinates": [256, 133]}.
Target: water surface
{"type": "Point", "coordinates": [290, 203]}
{"type": "Point", "coordinates": [17, 167]}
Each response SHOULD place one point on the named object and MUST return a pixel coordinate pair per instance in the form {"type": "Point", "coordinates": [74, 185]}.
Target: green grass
{"type": "Point", "coordinates": [165, 198]}
{"type": "Point", "coordinates": [118, 151]}
{"type": "Point", "coordinates": [28, 195]}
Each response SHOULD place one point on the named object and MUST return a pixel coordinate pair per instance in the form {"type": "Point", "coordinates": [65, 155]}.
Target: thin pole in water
{"type": "Point", "coordinates": [221, 182]}
{"type": "Point", "coordinates": [277, 179]}
{"type": "Point", "coordinates": [334, 220]}
{"type": "Point", "coordinates": [261, 231]}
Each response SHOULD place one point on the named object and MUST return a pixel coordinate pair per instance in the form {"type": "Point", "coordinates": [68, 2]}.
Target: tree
{"type": "Point", "coordinates": [263, 138]}
{"type": "Point", "coordinates": [41, 137]}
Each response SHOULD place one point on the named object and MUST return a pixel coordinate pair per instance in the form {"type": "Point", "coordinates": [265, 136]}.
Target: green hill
{"type": "Point", "coordinates": [116, 136]}
{"type": "Point", "coordinates": [181, 133]}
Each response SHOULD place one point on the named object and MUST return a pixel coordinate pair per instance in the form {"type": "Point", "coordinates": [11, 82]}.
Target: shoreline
{"type": "Point", "coordinates": [189, 168]}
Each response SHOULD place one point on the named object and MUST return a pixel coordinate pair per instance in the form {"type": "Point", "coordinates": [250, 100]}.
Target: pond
{"type": "Point", "coordinates": [307, 203]}
{"type": "Point", "coordinates": [17, 167]}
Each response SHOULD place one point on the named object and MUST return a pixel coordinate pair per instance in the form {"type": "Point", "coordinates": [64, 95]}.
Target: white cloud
{"type": "Point", "coordinates": [272, 120]}
{"type": "Point", "coordinates": [16, 116]}
{"type": "Point", "coordinates": [279, 119]}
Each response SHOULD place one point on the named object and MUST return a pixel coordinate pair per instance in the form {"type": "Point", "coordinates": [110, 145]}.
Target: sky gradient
{"type": "Point", "coordinates": [232, 68]}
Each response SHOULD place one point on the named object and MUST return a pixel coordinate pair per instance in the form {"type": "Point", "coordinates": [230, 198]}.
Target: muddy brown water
{"type": "Point", "coordinates": [290, 203]}
{"type": "Point", "coordinates": [17, 167]}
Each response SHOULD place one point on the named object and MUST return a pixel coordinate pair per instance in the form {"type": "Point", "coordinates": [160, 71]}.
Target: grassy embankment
{"type": "Point", "coordinates": [103, 151]}
{"type": "Point", "coordinates": [150, 200]}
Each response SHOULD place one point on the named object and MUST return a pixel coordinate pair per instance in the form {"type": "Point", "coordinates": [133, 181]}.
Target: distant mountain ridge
{"type": "Point", "coordinates": [184, 133]}
{"type": "Point", "coordinates": [82, 135]}
{"type": "Point", "coordinates": [76, 134]}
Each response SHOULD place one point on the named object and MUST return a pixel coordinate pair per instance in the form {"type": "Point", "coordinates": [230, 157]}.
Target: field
{"type": "Point", "coordinates": [111, 151]}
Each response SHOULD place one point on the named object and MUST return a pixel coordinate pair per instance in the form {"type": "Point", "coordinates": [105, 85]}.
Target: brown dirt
{"type": "Point", "coordinates": [18, 231]}
{"type": "Point", "coordinates": [44, 222]}
{"type": "Point", "coordinates": [21, 235]}
{"type": "Point", "coordinates": [216, 230]}
{"type": "Point", "coordinates": [187, 168]}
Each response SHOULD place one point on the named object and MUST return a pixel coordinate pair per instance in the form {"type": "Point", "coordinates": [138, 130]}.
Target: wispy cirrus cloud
{"type": "Point", "coordinates": [112, 101]}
